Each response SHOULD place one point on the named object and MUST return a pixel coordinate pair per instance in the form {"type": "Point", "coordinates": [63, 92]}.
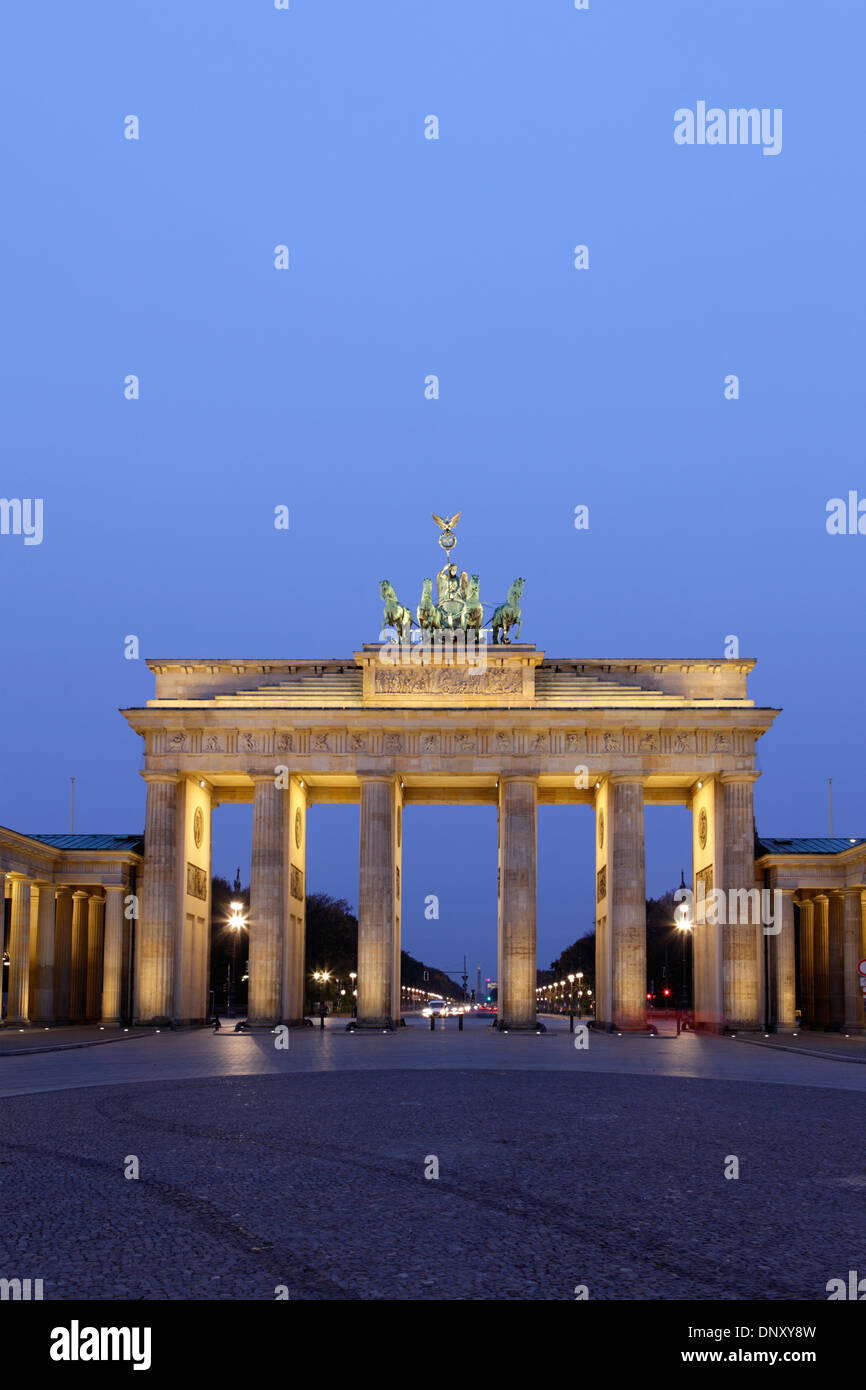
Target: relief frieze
{"type": "Point", "coordinates": [448, 680]}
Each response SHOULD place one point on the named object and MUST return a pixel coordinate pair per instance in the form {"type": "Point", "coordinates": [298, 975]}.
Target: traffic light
{"type": "Point", "coordinates": [666, 993]}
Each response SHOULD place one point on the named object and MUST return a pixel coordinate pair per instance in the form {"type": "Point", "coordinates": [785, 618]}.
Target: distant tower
{"type": "Point", "coordinates": [478, 991]}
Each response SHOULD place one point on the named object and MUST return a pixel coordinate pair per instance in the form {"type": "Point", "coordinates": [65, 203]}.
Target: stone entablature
{"type": "Point", "coordinates": [816, 872]}
{"type": "Point", "coordinates": [20, 854]}
{"type": "Point", "coordinates": [434, 721]}
{"type": "Point", "coordinates": [383, 674]}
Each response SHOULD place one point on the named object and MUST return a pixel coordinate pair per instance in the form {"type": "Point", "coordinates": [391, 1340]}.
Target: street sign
{"type": "Point", "coordinates": [862, 967]}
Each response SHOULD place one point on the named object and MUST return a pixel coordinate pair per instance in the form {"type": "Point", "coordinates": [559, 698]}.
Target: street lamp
{"type": "Point", "coordinates": [322, 977]}
{"type": "Point", "coordinates": [579, 978]}
{"type": "Point", "coordinates": [684, 926]}
{"type": "Point", "coordinates": [353, 977]}
{"type": "Point", "coordinates": [237, 922]}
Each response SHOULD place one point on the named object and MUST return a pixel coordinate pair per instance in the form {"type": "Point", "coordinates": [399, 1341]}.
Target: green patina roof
{"type": "Point", "coordinates": [825, 845]}
{"type": "Point", "coordinates": [133, 843]}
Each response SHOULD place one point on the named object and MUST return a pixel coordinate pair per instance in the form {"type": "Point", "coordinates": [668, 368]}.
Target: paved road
{"type": "Point", "coordinates": [187, 1055]}
{"type": "Point", "coordinates": [556, 1168]}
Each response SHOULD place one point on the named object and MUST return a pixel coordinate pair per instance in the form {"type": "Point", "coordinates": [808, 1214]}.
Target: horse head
{"type": "Point", "coordinates": [386, 589]}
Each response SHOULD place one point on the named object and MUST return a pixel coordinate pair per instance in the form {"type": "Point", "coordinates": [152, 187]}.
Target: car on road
{"type": "Point", "coordinates": [435, 1008]}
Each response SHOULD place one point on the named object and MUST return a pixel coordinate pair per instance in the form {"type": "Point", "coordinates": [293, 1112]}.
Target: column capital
{"type": "Point", "coordinates": [41, 883]}
{"type": "Point", "coordinates": [519, 777]}
{"type": "Point", "coordinates": [80, 893]}
{"type": "Point", "coordinates": [115, 888]}
{"type": "Point", "coordinates": [15, 877]}
{"type": "Point", "coordinates": [726, 777]}
{"type": "Point", "coordinates": [261, 777]}
{"type": "Point", "coordinates": [160, 777]}
{"type": "Point", "coordinates": [618, 778]}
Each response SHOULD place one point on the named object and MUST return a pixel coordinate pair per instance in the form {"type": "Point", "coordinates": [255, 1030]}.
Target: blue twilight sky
{"type": "Point", "coordinates": [409, 257]}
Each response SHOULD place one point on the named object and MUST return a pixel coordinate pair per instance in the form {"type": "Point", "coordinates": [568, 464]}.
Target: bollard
{"type": "Point", "coordinates": [571, 1023]}
{"type": "Point", "coordinates": [460, 1022]}
{"type": "Point", "coordinates": [432, 1023]}
{"type": "Point", "coordinates": [322, 1019]}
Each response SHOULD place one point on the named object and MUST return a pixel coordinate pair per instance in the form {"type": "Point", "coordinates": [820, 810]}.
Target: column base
{"type": "Point", "coordinates": [357, 1025]}
{"type": "Point", "coordinates": [503, 1026]}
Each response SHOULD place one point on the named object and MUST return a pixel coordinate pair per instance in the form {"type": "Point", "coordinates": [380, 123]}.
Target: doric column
{"type": "Point", "coordinates": [627, 898]}
{"type": "Point", "coordinates": [157, 929]}
{"type": "Point", "coordinates": [518, 902]}
{"type": "Point", "coordinates": [19, 950]}
{"type": "Point", "coordinates": [42, 985]}
{"type": "Point", "coordinates": [821, 938]}
{"type": "Point", "coordinates": [836, 968]}
{"type": "Point", "coordinates": [78, 972]}
{"type": "Point", "coordinates": [112, 973]}
{"type": "Point", "coordinates": [741, 940]}
{"type": "Point", "coordinates": [266, 904]}
{"type": "Point", "coordinates": [378, 994]}
{"type": "Point", "coordinates": [62, 954]}
{"type": "Point", "coordinates": [852, 952]}
{"type": "Point", "coordinates": [294, 889]}
{"type": "Point", "coordinates": [95, 929]}
{"type": "Point", "coordinates": [782, 956]}
{"type": "Point", "coordinates": [807, 961]}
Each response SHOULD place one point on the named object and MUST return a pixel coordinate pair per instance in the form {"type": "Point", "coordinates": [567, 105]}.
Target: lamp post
{"type": "Point", "coordinates": [322, 977]}
{"type": "Point", "coordinates": [571, 1003]}
{"type": "Point", "coordinates": [236, 924]}
{"type": "Point", "coordinates": [579, 978]}
{"type": "Point", "coordinates": [684, 924]}
{"type": "Point", "coordinates": [353, 977]}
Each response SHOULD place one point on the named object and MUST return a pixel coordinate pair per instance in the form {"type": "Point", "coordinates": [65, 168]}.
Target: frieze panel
{"type": "Point", "coordinates": [705, 877]}
{"type": "Point", "coordinates": [296, 882]}
{"type": "Point", "coordinates": [196, 882]}
{"type": "Point", "coordinates": [601, 884]}
{"type": "Point", "coordinates": [447, 680]}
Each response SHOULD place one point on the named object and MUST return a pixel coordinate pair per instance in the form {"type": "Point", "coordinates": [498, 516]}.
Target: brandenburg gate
{"type": "Point", "coordinates": [395, 725]}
